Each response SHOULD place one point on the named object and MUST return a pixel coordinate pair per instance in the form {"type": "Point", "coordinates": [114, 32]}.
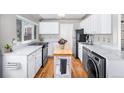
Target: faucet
{"type": "Point", "coordinates": [13, 43]}
{"type": "Point", "coordinates": [91, 39]}
{"type": "Point", "coordinates": [87, 38]}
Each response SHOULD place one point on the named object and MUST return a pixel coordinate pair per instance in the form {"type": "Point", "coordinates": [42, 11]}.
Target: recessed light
{"type": "Point", "coordinates": [61, 15]}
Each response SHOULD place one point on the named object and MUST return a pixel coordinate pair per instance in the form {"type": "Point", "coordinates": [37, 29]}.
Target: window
{"type": "Point", "coordinates": [26, 30]}
{"type": "Point", "coordinates": [19, 29]}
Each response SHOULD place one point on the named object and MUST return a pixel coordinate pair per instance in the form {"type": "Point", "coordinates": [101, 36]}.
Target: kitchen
{"type": "Point", "coordinates": [91, 45]}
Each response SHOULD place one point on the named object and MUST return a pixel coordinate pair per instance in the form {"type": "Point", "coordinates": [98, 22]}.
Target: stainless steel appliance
{"type": "Point", "coordinates": [94, 64]}
{"type": "Point", "coordinates": [86, 52]}
{"type": "Point", "coordinates": [44, 54]}
{"type": "Point", "coordinates": [80, 37]}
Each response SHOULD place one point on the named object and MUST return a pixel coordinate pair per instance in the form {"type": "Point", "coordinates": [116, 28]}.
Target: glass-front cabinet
{"type": "Point", "coordinates": [26, 30]}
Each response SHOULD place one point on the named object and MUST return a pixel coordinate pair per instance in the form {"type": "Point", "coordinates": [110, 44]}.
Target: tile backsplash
{"type": "Point", "coordinates": [103, 39]}
{"type": "Point", "coordinates": [48, 38]}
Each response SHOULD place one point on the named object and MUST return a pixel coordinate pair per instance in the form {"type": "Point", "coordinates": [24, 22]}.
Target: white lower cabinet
{"type": "Point", "coordinates": [38, 60]}
{"type": "Point", "coordinates": [14, 66]}
{"type": "Point", "coordinates": [34, 63]}
{"type": "Point", "coordinates": [115, 69]}
{"type": "Point", "coordinates": [22, 66]}
{"type": "Point", "coordinates": [80, 52]}
{"type": "Point", "coordinates": [31, 65]}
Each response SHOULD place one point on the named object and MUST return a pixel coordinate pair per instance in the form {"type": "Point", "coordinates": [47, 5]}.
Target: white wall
{"type": "Point", "coordinates": [7, 28]}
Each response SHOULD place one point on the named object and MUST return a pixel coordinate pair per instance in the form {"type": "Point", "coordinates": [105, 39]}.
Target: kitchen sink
{"type": "Point", "coordinates": [86, 43]}
{"type": "Point", "coordinates": [37, 43]}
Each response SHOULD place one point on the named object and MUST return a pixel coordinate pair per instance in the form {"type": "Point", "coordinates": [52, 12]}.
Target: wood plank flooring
{"type": "Point", "coordinates": [48, 70]}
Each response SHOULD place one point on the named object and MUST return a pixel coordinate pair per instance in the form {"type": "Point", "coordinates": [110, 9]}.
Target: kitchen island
{"type": "Point", "coordinates": [22, 63]}
{"type": "Point", "coordinates": [62, 62]}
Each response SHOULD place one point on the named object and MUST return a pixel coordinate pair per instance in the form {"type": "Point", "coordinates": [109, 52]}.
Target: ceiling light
{"type": "Point", "coordinates": [61, 15]}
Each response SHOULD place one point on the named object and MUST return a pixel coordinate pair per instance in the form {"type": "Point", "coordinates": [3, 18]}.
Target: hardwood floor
{"type": "Point", "coordinates": [48, 70]}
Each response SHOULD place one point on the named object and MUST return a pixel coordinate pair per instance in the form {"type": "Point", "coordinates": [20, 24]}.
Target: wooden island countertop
{"type": "Point", "coordinates": [62, 52]}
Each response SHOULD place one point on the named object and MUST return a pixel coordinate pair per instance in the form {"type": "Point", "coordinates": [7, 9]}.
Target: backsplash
{"type": "Point", "coordinates": [49, 38]}
{"type": "Point", "coordinates": [103, 39]}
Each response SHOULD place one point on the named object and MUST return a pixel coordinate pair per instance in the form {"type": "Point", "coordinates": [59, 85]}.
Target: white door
{"type": "Point", "coordinates": [66, 32]}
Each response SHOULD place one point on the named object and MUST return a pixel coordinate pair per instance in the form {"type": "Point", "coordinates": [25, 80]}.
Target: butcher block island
{"type": "Point", "coordinates": [62, 62]}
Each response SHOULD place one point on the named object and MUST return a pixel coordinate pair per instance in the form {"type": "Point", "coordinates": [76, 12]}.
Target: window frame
{"type": "Point", "coordinates": [31, 23]}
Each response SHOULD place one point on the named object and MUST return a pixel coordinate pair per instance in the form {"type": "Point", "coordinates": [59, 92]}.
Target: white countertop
{"type": "Point", "coordinates": [114, 59]}
{"type": "Point", "coordinates": [27, 50]}
{"type": "Point", "coordinates": [108, 53]}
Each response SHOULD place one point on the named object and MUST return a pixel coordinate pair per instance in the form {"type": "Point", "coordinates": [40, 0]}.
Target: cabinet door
{"type": "Point", "coordinates": [49, 28]}
{"type": "Point", "coordinates": [38, 61]}
{"type": "Point", "coordinates": [106, 24]}
{"type": "Point", "coordinates": [31, 65]}
{"type": "Point", "coordinates": [80, 51]}
{"type": "Point", "coordinates": [85, 27]}
{"type": "Point", "coordinates": [89, 30]}
{"type": "Point", "coordinates": [82, 24]}
{"type": "Point", "coordinates": [97, 24]}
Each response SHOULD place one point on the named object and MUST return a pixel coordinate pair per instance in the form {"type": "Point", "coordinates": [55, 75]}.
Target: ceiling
{"type": "Point", "coordinates": [66, 17]}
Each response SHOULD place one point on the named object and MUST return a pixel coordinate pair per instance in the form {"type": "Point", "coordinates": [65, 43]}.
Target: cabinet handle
{"type": "Point", "coordinates": [12, 65]}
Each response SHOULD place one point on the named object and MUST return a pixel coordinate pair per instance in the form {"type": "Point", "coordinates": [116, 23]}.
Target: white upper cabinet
{"type": "Point", "coordinates": [106, 24]}
{"type": "Point", "coordinates": [97, 24]}
{"type": "Point", "coordinates": [49, 28]}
